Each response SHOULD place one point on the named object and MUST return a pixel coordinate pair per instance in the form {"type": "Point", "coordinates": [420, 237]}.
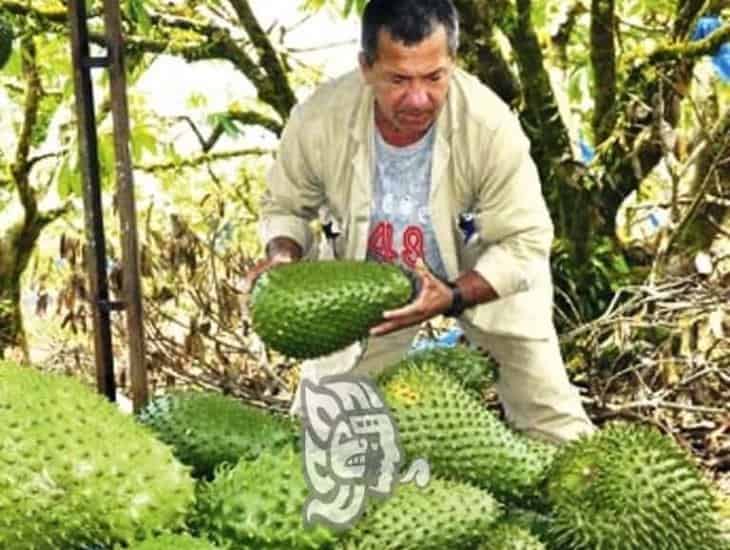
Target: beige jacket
{"type": "Point", "coordinates": [481, 165]}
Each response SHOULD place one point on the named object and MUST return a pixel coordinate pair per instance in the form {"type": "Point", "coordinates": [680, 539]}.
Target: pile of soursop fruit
{"type": "Point", "coordinates": [198, 470]}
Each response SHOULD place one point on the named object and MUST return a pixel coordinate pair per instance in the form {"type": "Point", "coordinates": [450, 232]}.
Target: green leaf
{"type": "Point", "coordinates": [229, 127]}
{"type": "Point", "coordinates": [196, 100]}
{"type": "Point", "coordinates": [69, 180]}
{"type": "Point", "coordinates": [226, 122]}
{"type": "Point", "coordinates": [142, 140]}
{"type": "Point", "coordinates": [576, 85]}
{"type": "Point", "coordinates": [138, 14]}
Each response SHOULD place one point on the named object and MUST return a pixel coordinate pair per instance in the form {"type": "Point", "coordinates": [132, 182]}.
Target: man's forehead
{"type": "Point", "coordinates": [393, 51]}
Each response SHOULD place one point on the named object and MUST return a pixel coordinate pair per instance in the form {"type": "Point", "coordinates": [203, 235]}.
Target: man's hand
{"type": "Point", "coordinates": [434, 299]}
{"type": "Point", "coordinates": [281, 250]}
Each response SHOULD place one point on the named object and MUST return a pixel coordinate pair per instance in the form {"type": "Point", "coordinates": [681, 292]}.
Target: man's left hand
{"type": "Point", "coordinates": [434, 299]}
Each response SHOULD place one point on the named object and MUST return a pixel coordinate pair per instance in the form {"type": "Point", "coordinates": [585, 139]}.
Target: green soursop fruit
{"type": "Point", "coordinates": [474, 370]}
{"type": "Point", "coordinates": [510, 536]}
{"type": "Point", "coordinates": [175, 542]}
{"type": "Point", "coordinates": [74, 470]}
{"type": "Point", "coordinates": [311, 309]}
{"type": "Point", "coordinates": [208, 429]}
{"type": "Point", "coordinates": [629, 487]}
{"type": "Point", "coordinates": [259, 504]}
{"type": "Point", "coordinates": [6, 41]}
{"type": "Point", "coordinates": [533, 521]}
{"type": "Point", "coordinates": [443, 514]}
{"type": "Point", "coordinates": [448, 426]}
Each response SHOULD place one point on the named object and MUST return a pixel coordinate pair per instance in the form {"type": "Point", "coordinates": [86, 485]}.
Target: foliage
{"type": "Point", "coordinates": [199, 182]}
{"type": "Point", "coordinates": [207, 155]}
{"type": "Point", "coordinates": [584, 290]}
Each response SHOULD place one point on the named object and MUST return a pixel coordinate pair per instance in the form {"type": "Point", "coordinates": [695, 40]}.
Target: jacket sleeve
{"type": "Point", "coordinates": [512, 216]}
{"type": "Point", "coordinates": [294, 191]}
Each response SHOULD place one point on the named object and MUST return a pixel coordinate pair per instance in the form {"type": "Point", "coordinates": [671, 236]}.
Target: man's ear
{"type": "Point", "coordinates": [365, 68]}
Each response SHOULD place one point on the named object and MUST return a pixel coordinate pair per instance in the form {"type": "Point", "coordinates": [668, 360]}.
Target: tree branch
{"type": "Point", "coordinates": [626, 154]}
{"type": "Point", "coordinates": [687, 13]}
{"type": "Point", "coordinates": [484, 57]}
{"type": "Point", "coordinates": [215, 42]}
{"type": "Point", "coordinates": [33, 93]}
{"type": "Point", "coordinates": [252, 118]}
{"type": "Point", "coordinates": [603, 58]}
{"type": "Point", "coordinates": [199, 160]}
{"type": "Point", "coordinates": [277, 87]}
{"type": "Point", "coordinates": [711, 154]}
{"type": "Point", "coordinates": [38, 158]}
{"type": "Point", "coordinates": [183, 24]}
{"type": "Point", "coordinates": [561, 38]}
{"type": "Point", "coordinates": [25, 9]}
{"type": "Point", "coordinates": [49, 216]}
{"type": "Point", "coordinates": [249, 118]}
{"type": "Point", "coordinates": [541, 115]}
{"type": "Point", "coordinates": [691, 50]}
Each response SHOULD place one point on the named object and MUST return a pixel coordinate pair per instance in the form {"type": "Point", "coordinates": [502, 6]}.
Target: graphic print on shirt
{"type": "Point", "coordinates": [400, 223]}
{"type": "Point", "coordinates": [382, 247]}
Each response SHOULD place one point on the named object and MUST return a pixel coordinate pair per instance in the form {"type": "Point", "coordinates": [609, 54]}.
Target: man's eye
{"type": "Point", "coordinates": [435, 77]}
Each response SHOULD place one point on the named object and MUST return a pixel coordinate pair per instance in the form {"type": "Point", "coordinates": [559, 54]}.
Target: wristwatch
{"type": "Point", "coordinates": [458, 305]}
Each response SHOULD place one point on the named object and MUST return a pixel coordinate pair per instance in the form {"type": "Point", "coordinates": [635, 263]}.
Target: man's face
{"type": "Point", "coordinates": [410, 82]}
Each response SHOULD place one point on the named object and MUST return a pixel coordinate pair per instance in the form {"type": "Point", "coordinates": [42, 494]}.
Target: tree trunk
{"type": "Point", "coordinates": [16, 248]}
{"type": "Point", "coordinates": [11, 319]}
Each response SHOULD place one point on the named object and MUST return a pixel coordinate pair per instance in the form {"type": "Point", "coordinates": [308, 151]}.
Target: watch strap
{"type": "Point", "coordinates": [458, 305]}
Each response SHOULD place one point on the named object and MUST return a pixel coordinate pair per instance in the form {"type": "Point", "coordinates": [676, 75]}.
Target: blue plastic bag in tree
{"type": "Point", "coordinates": [720, 59]}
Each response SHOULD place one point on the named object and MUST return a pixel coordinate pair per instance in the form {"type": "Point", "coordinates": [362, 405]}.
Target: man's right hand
{"type": "Point", "coordinates": [280, 250]}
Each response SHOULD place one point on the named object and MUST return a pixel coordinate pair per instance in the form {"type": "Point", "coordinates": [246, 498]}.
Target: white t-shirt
{"type": "Point", "coordinates": [400, 221]}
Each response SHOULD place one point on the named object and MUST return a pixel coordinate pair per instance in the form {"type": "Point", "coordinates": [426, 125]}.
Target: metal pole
{"type": "Point", "coordinates": [88, 154]}
{"type": "Point", "coordinates": [127, 209]}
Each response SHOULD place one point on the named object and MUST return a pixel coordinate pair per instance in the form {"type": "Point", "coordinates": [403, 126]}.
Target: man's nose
{"type": "Point", "coordinates": [417, 98]}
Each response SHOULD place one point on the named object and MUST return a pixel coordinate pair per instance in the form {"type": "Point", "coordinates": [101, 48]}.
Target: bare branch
{"type": "Point", "coordinates": [54, 154]}
{"type": "Point", "coordinates": [249, 118]}
{"type": "Point", "coordinates": [691, 50]}
{"type": "Point", "coordinates": [214, 42]}
{"type": "Point", "coordinates": [197, 161]}
{"type": "Point", "coordinates": [276, 87]}
{"type": "Point", "coordinates": [253, 118]}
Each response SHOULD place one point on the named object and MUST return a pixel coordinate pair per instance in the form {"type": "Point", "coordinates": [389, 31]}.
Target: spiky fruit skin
{"type": "Point", "coordinates": [469, 366]}
{"type": "Point", "coordinates": [448, 426]}
{"type": "Point", "coordinates": [207, 429]}
{"type": "Point", "coordinates": [628, 487]}
{"type": "Point", "coordinates": [74, 470]}
{"type": "Point", "coordinates": [533, 521]}
{"type": "Point", "coordinates": [310, 309]}
{"type": "Point", "coordinates": [6, 41]}
{"type": "Point", "coordinates": [509, 536]}
{"type": "Point", "coordinates": [444, 514]}
{"type": "Point", "coordinates": [259, 504]}
{"type": "Point", "coordinates": [174, 542]}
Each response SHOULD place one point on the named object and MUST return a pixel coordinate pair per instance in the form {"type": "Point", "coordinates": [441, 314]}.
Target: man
{"type": "Point", "coordinates": [416, 162]}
